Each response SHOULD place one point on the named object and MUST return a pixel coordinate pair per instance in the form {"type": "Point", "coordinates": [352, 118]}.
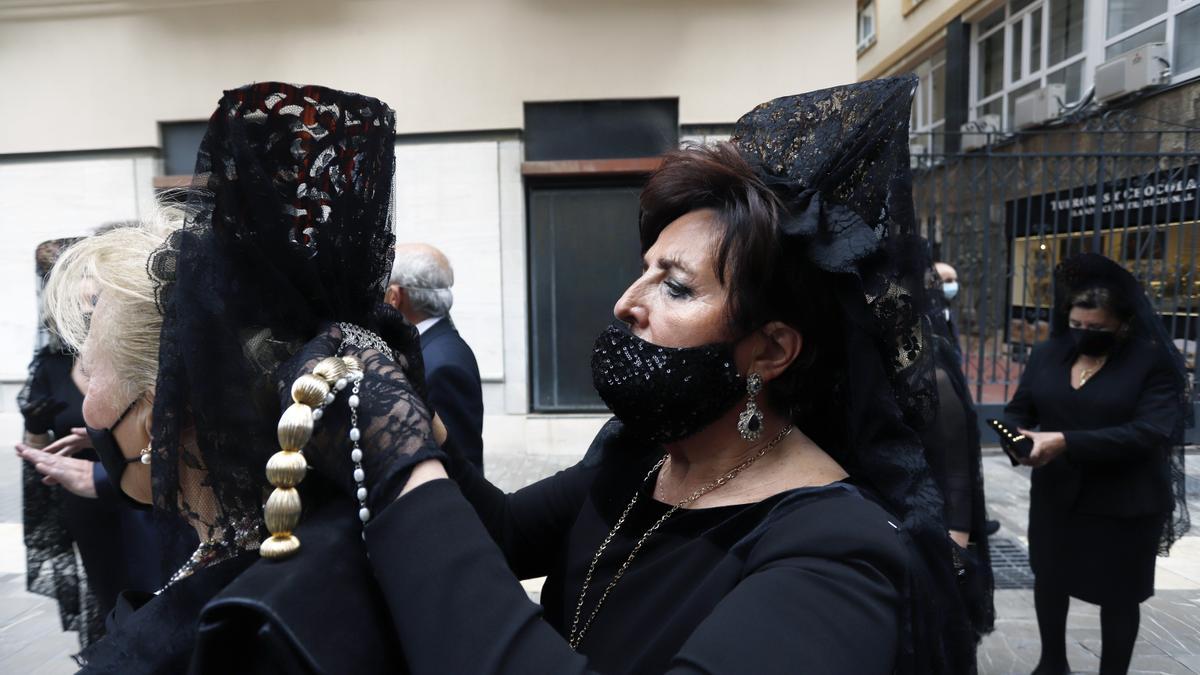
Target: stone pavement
{"type": "Point", "coordinates": [1169, 640]}
{"type": "Point", "coordinates": [31, 640]}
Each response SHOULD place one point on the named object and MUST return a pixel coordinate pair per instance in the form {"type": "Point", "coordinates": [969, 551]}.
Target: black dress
{"type": "Point", "coordinates": [808, 580]}
{"type": "Point", "coordinates": [1096, 511]}
{"type": "Point", "coordinates": [319, 611]}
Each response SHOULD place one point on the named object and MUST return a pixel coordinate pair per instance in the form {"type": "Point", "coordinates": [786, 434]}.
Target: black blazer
{"type": "Point", "coordinates": [452, 376]}
{"type": "Point", "coordinates": [1117, 427]}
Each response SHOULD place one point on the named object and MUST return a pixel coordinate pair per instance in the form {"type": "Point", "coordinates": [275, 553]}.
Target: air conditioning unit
{"type": "Point", "coordinates": [1133, 71]}
{"type": "Point", "coordinates": [1040, 106]}
{"type": "Point", "coordinates": [979, 132]}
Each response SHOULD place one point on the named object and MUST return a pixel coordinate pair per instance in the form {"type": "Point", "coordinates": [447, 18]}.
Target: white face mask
{"type": "Point", "coordinates": [950, 288]}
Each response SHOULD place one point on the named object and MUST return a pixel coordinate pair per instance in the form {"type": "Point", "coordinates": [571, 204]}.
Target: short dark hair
{"type": "Point", "coordinates": [765, 281]}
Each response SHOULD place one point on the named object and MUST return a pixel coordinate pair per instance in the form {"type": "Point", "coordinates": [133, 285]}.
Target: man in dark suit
{"type": "Point", "coordinates": [420, 289]}
{"type": "Point", "coordinates": [949, 277]}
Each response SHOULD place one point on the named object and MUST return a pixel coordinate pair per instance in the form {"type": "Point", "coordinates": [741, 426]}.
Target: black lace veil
{"type": "Point", "coordinates": [291, 229]}
{"type": "Point", "coordinates": [52, 568]}
{"type": "Point", "coordinates": [838, 158]}
{"type": "Point", "coordinates": [1092, 270]}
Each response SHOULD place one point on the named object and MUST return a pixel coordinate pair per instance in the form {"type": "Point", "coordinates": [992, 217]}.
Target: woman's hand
{"type": "Point", "coordinates": [1046, 446]}
{"type": "Point", "coordinates": [70, 444]}
{"type": "Point", "coordinates": [75, 475]}
{"type": "Point", "coordinates": [396, 427]}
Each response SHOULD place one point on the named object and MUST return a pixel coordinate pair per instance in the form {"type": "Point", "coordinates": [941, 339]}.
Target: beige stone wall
{"type": "Point", "coordinates": [92, 74]}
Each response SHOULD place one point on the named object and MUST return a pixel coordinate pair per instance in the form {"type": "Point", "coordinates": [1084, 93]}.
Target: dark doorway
{"type": "Point", "coordinates": [583, 253]}
{"type": "Point", "coordinates": [586, 162]}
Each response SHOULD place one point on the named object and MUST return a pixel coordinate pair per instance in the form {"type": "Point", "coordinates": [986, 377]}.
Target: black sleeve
{"type": "Point", "coordinates": [449, 588]}
{"type": "Point", "coordinates": [454, 394]}
{"type": "Point", "coordinates": [37, 389]}
{"type": "Point", "coordinates": [529, 522]}
{"type": "Point", "coordinates": [948, 437]}
{"type": "Point", "coordinates": [1021, 411]}
{"type": "Point", "coordinates": [1153, 422]}
{"type": "Point", "coordinates": [105, 490]}
{"type": "Point", "coordinates": [39, 382]}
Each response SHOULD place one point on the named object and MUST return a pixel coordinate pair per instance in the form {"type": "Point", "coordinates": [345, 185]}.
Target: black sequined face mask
{"type": "Point", "coordinates": [664, 393]}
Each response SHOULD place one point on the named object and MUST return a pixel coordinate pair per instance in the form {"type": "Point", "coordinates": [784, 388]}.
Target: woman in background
{"type": "Point", "coordinates": [1108, 398]}
{"type": "Point", "coordinates": [60, 508]}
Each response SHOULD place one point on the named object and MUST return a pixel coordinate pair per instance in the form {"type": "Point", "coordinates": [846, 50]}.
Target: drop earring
{"type": "Point", "coordinates": [750, 421]}
{"type": "Point", "coordinates": [145, 455]}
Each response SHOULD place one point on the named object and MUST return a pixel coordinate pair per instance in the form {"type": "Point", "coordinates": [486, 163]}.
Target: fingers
{"type": "Point", "coordinates": [69, 445]}
{"type": "Point", "coordinates": [31, 455]}
{"type": "Point", "coordinates": [58, 445]}
{"type": "Point", "coordinates": [1038, 457]}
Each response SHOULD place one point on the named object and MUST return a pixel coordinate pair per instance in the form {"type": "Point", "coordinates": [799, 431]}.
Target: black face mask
{"type": "Point", "coordinates": [111, 457]}
{"type": "Point", "coordinates": [1093, 342]}
{"type": "Point", "coordinates": [664, 393]}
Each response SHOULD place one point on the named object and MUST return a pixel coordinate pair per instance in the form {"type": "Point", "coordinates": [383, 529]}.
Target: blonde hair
{"type": "Point", "coordinates": [113, 266]}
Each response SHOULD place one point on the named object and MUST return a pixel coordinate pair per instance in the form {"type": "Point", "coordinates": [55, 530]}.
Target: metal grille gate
{"type": "Point", "coordinates": [1004, 214]}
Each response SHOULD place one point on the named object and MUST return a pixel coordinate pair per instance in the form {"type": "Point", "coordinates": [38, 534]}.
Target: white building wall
{"type": "Point", "coordinates": [448, 195]}
{"type": "Point", "coordinates": [103, 73]}
{"type": "Point", "coordinates": [50, 197]}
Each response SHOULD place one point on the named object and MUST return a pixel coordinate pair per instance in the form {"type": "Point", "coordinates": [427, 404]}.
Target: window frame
{"type": "Point", "coordinates": [925, 128]}
{"type": "Point", "coordinates": [1095, 44]}
{"type": "Point", "coordinates": [1174, 9]}
{"type": "Point", "coordinates": [866, 10]}
{"type": "Point", "coordinates": [1022, 20]}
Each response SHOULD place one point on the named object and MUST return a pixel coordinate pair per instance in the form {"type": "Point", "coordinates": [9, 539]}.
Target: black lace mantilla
{"type": "Point", "coordinates": [838, 158]}
{"type": "Point", "coordinates": [291, 230]}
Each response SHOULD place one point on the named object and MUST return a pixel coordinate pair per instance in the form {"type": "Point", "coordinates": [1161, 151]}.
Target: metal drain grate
{"type": "Point", "coordinates": [1010, 564]}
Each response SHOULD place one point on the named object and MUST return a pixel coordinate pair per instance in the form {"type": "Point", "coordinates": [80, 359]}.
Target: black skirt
{"type": "Point", "coordinates": [1098, 559]}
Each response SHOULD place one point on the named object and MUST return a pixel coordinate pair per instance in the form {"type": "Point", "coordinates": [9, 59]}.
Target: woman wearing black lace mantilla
{"type": "Point", "coordinates": [1108, 397]}
{"type": "Point", "coordinates": [760, 503]}
{"type": "Point", "coordinates": [292, 230]}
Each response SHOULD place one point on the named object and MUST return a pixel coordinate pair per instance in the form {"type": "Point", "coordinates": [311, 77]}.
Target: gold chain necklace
{"type": "Point", "coordinates": [1085, 373]}
{"type": "Point", "coordinates": [577, 631]}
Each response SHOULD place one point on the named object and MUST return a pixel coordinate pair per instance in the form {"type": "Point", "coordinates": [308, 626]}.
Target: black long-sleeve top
{"type": "Point", "coordinates": [806, 580]}
{"type": "Point", "coordinates": [1117, 428]}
